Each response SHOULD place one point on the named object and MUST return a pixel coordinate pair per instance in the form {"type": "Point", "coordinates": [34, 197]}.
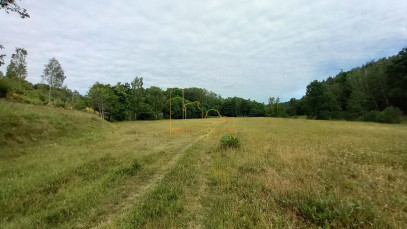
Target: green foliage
{"type": "Point", "coordinates": [275, 108]}
{"type": "Point", "coordinates": [146, 113]}
{"type": "Point", "coordinates": [233, 107]}
{"type": "Point", "coordinates": [53, 73]}
{"type": "Point", "coordinates": [136, 97]}
{"type": "Point", "coordinates": [396, 81]}
{"type": "Point", "coordinates": [121, 108]}
{"type": "Point", "coordinates": [371, 116]}
{"type": "Point", "coordinates": [390, 115]}
{"type": "Point", "coordinates": [257, 109]}
{"type": "Point", "coordinates": [102, 99]}
{"type": "Point", "coordinates": [80, 103]}
{"type": "Point", "coordinates": [171, 93]}
{"type": "Point", "coordinates": [18, 65]}
{"type": "Point", "coordinates": [58, 103]}
{"type": "Point", "coordinates": [319, 101]}
{"type": "Point", "coordinates": [176, 108]}
{"type": "Point", "coordinates": [228, 108]}
{"type": "Point", "coordinates": [230, 140]}
{"type": "Point", "coordinates": [292, 109]}
{"type": "Point", "coordinates": [362, 92]}
{"type": "Point", "coordinates": [155, 97]}
{"type": "Point", "coordinates": [5, 87]}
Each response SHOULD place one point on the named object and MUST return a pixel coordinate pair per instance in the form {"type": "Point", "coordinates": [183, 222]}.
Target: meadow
{"type": "Point", "coordinates": [70, 169]}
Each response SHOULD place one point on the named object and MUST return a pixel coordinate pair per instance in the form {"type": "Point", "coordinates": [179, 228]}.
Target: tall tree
{"type": "Point", "coordinates": [102, 99]}
{"type": "Point", "coordinates": [18, 65]}
{"type": "Point", "coordinates": [54, 75]}
{"type": "Point", "coordinates": [397, 80]}
{"type": "Point", "coordinates": [275, 108]}
{"type": "Point", "coordinates": [121, 109]}
{"type": "Point", "coordinates": [155, 97]}
{"type": "Point", "coordinates": [136, 96]}
{"type": "Point", "coordinates": [175, 106]}
{"type": "Point", "coordinates": [292, 107]}
{"type": "Point", "coordinates": [319, 101]}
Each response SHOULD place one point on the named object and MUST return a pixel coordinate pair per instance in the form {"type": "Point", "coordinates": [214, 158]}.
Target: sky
{"type": "Point", "coordinates": [251, 49]}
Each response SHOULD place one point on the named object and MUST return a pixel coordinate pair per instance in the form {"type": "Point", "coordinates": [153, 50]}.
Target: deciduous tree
{"type": "Point", "coordinates": [54, 75]}
{"type": "Point", "coordinates": [18, 65]}
{"type": "Point", "coordinates": [156, 99]}
{"type": "Point", "coordinates": [136, 96]}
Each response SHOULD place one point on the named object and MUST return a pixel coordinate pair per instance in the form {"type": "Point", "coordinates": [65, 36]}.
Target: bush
{"type": "Point", "coordinates": [230, 140]}
{"type": "Point", "coordinates": [58, 103]}
{"type": "Point", "coordinates": [18, 85]}
{"type": "Point", "coordinates": [371, 116]}
{"type": "Point", "coordinates": [5, 87]}
{"type": "Point", "coordinates": [390, 115]}
{"type": "Point", "coordinates": [146, 113]}
{"type": "Point", "coordinates": [24, 99]}
{"type": "Point", "coordinates": [80, 104]}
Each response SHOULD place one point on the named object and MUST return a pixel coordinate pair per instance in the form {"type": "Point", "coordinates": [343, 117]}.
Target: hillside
{"type": "Point", "coordinates": [24, 123]}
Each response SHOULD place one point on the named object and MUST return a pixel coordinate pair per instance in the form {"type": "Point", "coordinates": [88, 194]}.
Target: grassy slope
{"type": "Point", "coordinates": [23, 123]}
{"type": "Point", "coordinates": [288, 173]}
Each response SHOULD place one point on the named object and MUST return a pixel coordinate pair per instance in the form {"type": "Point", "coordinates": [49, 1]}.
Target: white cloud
{"type": "Point", "coordinates": [251, 49]}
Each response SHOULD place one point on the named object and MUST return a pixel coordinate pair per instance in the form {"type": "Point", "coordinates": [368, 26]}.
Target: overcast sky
{"type": "Point", "coordinates": [251, 49]}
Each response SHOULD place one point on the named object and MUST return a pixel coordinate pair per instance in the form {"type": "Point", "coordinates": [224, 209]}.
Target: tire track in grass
{"type": "Point", "coordinates": [195, 206]}
{"type": "Point", "coordinates": [177, 200]}
{"type": "Point", "coordinates": [122, 209]}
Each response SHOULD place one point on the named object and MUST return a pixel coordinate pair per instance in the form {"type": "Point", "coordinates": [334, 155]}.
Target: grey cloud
{"type": "Point", "coordinates": [252, 49]}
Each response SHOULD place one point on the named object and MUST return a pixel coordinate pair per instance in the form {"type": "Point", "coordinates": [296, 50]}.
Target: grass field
{"type": "Point", "coordinates": [69, 169]}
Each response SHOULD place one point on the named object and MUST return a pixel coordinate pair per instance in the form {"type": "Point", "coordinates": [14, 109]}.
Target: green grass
{"type": "Point", "coordinates": [287, 173]}
{"type": "Point", "coordinates": [23, 123]}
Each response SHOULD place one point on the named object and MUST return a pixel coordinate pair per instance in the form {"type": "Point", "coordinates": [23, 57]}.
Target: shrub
{"type": "Point", "coordinates": [390, 115]}
{"type": "Point", "coordinates": [18, 85]}
{"type": "Point", "coordinates": [58, 102]}
{"type": "Point", "coordinates": [371, 116]}
{"type": "Point", "coordinates": [230, 140]}
{"type": "Point", "coordinates": [4, 87]}
{"type": "Point", "coordinates": [80, 104]}
{"type": "Point", "coordinates": [24, 99]}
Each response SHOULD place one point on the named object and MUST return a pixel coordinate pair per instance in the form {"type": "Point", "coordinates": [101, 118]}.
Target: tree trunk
{"type": "Point", "coordinates": [49, 94]}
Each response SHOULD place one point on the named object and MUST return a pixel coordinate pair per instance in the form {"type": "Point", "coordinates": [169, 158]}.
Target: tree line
{"type": "Point", "coordinates": [377, 91]}
{"type": "Point", "coordinates": [122, 101]}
